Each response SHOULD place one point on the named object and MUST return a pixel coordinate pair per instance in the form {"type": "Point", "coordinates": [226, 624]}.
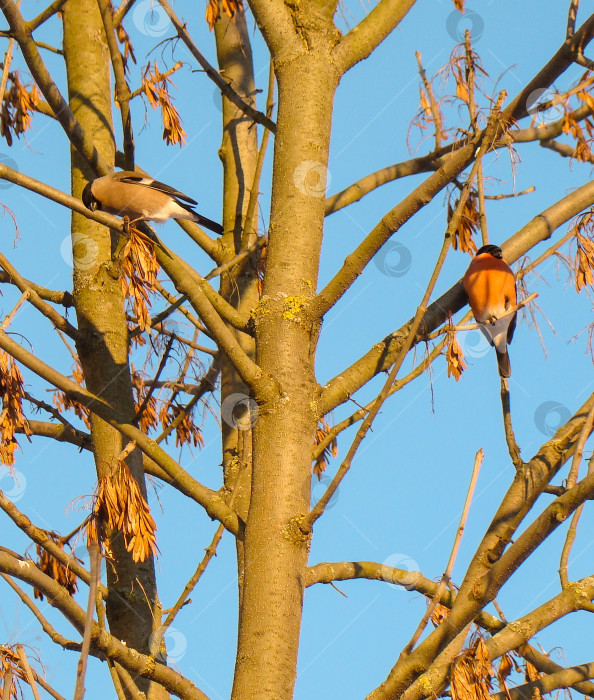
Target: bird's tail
{"type": "Point", "coordinates": [208, 223]}
{"type": "Point", "coordinates": [503, 364]}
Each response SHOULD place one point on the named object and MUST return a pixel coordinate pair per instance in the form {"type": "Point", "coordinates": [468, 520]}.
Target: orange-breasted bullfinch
{"type": "Point", "coordinates": [141, 198]}
{"type": "Point", "coordinates": [491, 288]}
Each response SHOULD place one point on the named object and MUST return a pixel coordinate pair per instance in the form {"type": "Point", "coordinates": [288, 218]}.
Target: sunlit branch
{"type": "Point", "coordinates": [43, 16]}
{"type": "Point", "coordinates": [213, 74]}
{"type": "Point", "coordinates": [446, 577]}
{"type": "Point", "coordinates": [63, 298]}
{"type": "Point", "coordinates": [103, 644]}
{"type": "Point", "coordinates": [206, 497]}
{"type": "Point", "coordinates": [121, 85]}
{"type": "Point", "coordinates": [42, 306]}
{"type": "Point", "coordinates": [48, 87]}
{"type": "Point", "coordinates": [381, 356]}
{"type": "Point", "coordinates": [335, 430]}
{"type": "Point", "coordinates": [369, 33]}
{"type": "Point", "coordinates": [510, 438]}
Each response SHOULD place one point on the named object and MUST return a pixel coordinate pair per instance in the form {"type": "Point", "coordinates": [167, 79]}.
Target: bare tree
{"type": "Point", "coordinates": [254, 340]}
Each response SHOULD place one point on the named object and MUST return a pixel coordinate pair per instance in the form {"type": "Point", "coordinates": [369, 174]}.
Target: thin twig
{"type": "Point", "coordinates": [446, 578]}
{"type": "Point", "coordinates": [474, 326]}
{"type": "Point", "coordinates": [251, 214]}
{"type": "Point", "coordinates": [320, 506]}
{"type": "Point", "coordinates": [115, 678]}
{"type": "Point", "coordinates": [213, 74]}
{"type": "Point", "coordinates": [510, 438]}
{"type": "Point", "coordinates": [166, 74]}
{"type": "Point", "coordinates": [209, 553]}
{"type": "Point", "coordinates": [46, 309]}
{"type": "Point", "coordinates": [94, 563]}
{"type": "Point", "coordinates": [364, 410]}
{"type": "Point", "coordinates": [207, 383]}
{"type": "Point", "coordinates": [511, 195]}
{"type": "Point", "coordinates": [256, 246]}
{"type": "Point", "coordinates": [45, 625]}
{"type": "Point", "coordinates": [571, 481]}
{"type": "Point", "coordinates": [432, 102]}
{"type": "Point", "coordinates": [571, 17]}
{"type": "Point", "coordinates": [7, 62]}
{"type": "Point", "coordinates": [153, 384]}
{"type": "Point", "coordinates": [8, 319]}
{"type": "Point", "coordinates": [128, 681]}
{"type": "Point", "coordinates": [190, 343]}
{"type": "Point", "coordinates": [579, 449]}
{"type": "Point", "coordinates": [122, 11]}
{"type": "Point", "coordinates": [27, 669]}
{"type": "Point", "coordinates": [121, 85]}
{"type": "Point", "coordinates": [480, 185]}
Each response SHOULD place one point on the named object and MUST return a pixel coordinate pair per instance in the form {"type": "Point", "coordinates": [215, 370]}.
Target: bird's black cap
{"type": "Point", "coordinates": [493, 250]}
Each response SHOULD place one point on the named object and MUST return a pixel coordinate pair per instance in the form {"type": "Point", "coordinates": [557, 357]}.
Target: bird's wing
{"type": "Point", "coordinates": [134, 179]}
{"type": "Point", "coordinates": [511, 328]}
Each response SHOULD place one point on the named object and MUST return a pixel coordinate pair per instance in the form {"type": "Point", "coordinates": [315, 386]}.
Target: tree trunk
{"type": "Point", "coordinates": [132, 606]}
{"type": "Point", "coordinates": [276, 548]}
{"type": "Point", "coordinates": [239, 154]}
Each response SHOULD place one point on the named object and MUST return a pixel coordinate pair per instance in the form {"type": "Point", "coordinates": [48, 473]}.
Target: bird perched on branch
{"type": "Point", "coordinates": [491, 288]}
{"type": "Point", "coordinates": [128, 194]}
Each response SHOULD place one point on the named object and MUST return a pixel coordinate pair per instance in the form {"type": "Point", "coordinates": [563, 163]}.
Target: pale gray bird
{"type": "Point", "coordinates": [141, 198]}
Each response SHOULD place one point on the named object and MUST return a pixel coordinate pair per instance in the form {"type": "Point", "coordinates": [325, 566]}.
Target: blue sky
{"type": "Point", "coordinates": [403, 497]}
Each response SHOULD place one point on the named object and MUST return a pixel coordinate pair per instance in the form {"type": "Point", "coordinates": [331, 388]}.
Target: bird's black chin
{"type": "Point", "coordinates": [88, 199]}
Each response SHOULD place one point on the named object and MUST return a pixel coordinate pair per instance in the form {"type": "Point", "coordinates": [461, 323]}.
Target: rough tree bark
{"type": "Point", "coordinates": [132, 606]}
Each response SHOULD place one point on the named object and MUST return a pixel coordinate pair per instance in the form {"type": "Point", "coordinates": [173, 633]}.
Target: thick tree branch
{"type": "Point", "coordinates": [275, 20]}
{"type": "Point", "coordinates": [558, 64]}
{"type": "Point", "coordinates": [432, 161]}
{"type": "Point", "coordinates": [62, 298]}
{"type": "Point", "coordinates": [561, 679]}
{"type": "Point", "coordinates": [210, 500]}
{"type": "Point", "coordinates": [507, 636]}
{"type": "Point", "coordinates": [366, 36]}
{"type": "Point", "coordinates": [102, 643]}
{"type": "Point", "coordinates": [200, 294]}
{"type": "Point", "coordinates": [491, 566]}
{"type": "Point", "coordinates": [42, 538]}
{"type": "Point", "coordinates": [355, 263]}
{"type": "Point", "coordinates": [382, 354]}
{"type": "Point", "coordinates": [44, 15]}
{"type": "Point", "coordinates": [58, 104]}
{"type": "Point", "coordinates": [42, 306]}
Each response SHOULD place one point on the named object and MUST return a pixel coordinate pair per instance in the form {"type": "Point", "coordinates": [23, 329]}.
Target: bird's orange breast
{"type": "Point", "coordinates": [490, 285]}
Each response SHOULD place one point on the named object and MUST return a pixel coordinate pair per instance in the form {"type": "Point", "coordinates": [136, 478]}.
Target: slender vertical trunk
{"type": "Point", "coordinates": [133, 609]}
{"type": "Point", "coordinates": [276, 548]}
{"type": "Point", "coordinates": [238, 153]}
